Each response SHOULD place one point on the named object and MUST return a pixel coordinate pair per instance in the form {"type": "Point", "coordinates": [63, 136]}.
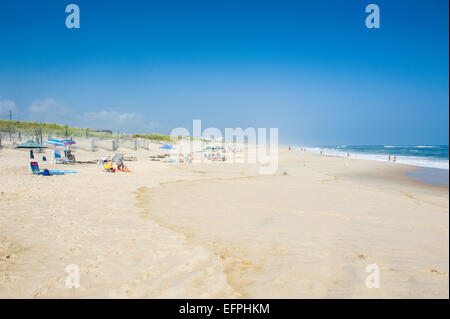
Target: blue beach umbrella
{"type": "Point", "coordinates": [166, 147]}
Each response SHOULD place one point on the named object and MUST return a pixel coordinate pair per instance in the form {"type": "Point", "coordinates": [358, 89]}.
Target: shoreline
{"type": "Point", "coordinates": [401, 159]}
{"type": "Point", "coordinates": [426, 175]}
{"type": "Point", "coordinates": [429, 176]}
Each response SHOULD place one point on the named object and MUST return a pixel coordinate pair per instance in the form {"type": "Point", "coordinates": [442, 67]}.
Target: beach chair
{"type": "Point", "coordinates": [69, 158]}
{"type": "Point", "coordinates": [34, 167]}
{"type": "Point", "coordinates": [57, 159]}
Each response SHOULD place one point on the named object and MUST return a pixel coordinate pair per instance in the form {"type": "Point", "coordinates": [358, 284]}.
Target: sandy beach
{"type": "Point", "coordinates": [221, 230]}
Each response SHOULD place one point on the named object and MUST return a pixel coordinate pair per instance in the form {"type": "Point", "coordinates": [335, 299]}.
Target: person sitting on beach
{"type": "Point", "coordinates": [108, 166]}
{"type": "Point", "coordinates": [120, 165]}
{"type": "Point", "coordinates": [70, 156]}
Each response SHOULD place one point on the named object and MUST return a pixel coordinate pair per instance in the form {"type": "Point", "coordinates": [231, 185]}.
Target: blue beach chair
{"type": "Point", "coordinates": [59, 159]}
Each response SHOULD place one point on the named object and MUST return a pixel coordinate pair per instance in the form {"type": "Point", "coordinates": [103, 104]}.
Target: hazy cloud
{"type": "Point", "coordinates": [46, 106]}
{"type": "Point", "coordinates": [49, 110]}
{"type": "Point", "coordinates": [110, 116]}
{"type": "Point", "coordinates": [6, 106]}
{"type": "Point", "coordinates": [115, 120]}
{"type": "Point", "coordinates": [126, 122]}
{"type": "Point", "coordinates": [53, 111]}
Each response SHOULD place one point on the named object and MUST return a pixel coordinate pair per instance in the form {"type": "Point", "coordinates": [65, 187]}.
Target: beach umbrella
{"type": "Point", "coordinates": [30, 145]}
{"type": "Point", "coordinates": [68, 142]}
{"type": "Point", "coordinates": [207, 148]}
{"type": "Point", "coordinates": [166, 147]}
{"type": "Point", "coordinates": [117, 158]}
{"type": "Point", "coordinates": [55, 142]}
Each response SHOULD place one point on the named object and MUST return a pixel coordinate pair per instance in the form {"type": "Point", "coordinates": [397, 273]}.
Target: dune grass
{"type": "Point", "coordinates": [36, 128]}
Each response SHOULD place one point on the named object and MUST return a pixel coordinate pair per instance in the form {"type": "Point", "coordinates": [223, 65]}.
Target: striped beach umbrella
{"type": "Point", "coordinates": [55, 142]}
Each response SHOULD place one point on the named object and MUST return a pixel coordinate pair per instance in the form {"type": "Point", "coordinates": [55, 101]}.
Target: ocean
{"type": "Point", "coordinates": [432, 156]}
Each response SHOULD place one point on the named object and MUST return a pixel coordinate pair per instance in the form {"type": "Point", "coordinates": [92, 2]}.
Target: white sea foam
{"type": "Point", "coordinates": [425, 146]}
{"type": "Point", "coordinates": [407, 160]}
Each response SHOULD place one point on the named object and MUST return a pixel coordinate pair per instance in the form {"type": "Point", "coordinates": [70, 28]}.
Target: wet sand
{"type": "Point", "coordinates": [432, 176]}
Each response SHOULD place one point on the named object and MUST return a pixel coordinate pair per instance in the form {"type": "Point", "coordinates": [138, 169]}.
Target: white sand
{"type": "Point", "coordinates": [220, 230]}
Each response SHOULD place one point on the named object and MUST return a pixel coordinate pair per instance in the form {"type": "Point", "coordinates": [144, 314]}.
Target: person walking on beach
{"type": "Point", "coordinates": [395, 159]}
{"type": "Point", "coordinates": [389, 158]}
{"type": "Point", "coordinates": [348, 154]}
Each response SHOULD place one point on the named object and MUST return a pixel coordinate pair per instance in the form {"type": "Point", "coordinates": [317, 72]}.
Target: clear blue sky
{"type": "Point", "coordinates": [310, 68]}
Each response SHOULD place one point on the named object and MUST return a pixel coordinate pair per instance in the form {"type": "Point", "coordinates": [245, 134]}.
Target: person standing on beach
{"type": "Point", "coordinates": [395, 159]}
{"type": "Point", "coordinates": [389, 158]}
